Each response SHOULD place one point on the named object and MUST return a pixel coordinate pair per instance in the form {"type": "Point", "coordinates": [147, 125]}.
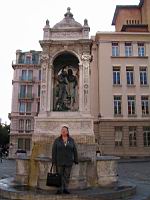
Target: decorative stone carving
{"type": "Point", "coordinates": [54, 126]}
{"type": "Point", "coordinates": [43, 100]}
{"type": "Point", "coordinates": [66, 35]}
{"type": "Point", "coordinates": [43, 87]}
{"type": "Point", "coordinates": [44, 73]}
{"type": "Point", "coordinates": [86, 57]}
{"type": "Point", "coordinates": [44, 58]}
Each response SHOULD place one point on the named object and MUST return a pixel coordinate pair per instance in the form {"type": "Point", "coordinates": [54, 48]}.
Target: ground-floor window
{"type": "Point", "coordinates": [132, 136]}
{"type": "Point", "coordinates": [24, 143]}
{"type": "Point", "coordinates": [118, 136]}
{"type": "Point", "coordinates": [146, 136]}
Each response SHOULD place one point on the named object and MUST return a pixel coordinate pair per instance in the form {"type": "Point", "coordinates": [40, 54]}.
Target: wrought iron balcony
{"type": "Point", "coordinates": [16, 62]}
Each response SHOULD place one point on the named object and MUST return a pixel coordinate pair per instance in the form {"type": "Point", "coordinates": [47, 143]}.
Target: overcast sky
{"type": "Point", "coordinates": [22, 25]}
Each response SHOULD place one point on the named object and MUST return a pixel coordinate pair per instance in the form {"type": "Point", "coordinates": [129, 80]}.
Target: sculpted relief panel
{"type": "Point", "coordinates": [56, 125]}
{"type": "Point", "coordinates": [65, 35]}
{"type": "Point", "coordinates": [86, 62]}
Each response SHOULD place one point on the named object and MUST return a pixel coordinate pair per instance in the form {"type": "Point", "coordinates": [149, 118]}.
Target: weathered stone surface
{"type": "Point", "coordinates": [107, 171]}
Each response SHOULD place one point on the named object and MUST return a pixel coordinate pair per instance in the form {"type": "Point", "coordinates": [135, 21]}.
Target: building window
{"type": "Point", "coordinates": [28, 125]}
{"type": "Point", "coordinates": [25, 107]}
{"type": "Point", "coordinates": [145, 105]}
{"type": "Point", "coordinates": [26, 91]}
{"type": "Point", "coordinates": [38, 107]}
{"type": "Point", "coordinates": [131, 105]}
{"type": "Point", "coordinates": [115, 49]}
{"type": "Point", "coordinates": [24, 144]}
{"type": "Point", "coordinates": [22, 91]}
{"type": "Point", "coordinates": [116, 75]}
{"type": "Point", "coordinates": [130, 75]}
{"type": "Point", "coordinates": [39, 90]}
{"type": "Point", "coordinates": [27, 144]}
{"type": "Point", "coordinates": [27, 75]}
{"type": "Point", "coordinates": [128, 49]}
{"type": "Point", "coordinates": [28, 107]}
{"type": "Point", "coordinates": [39, 74]}
{"type": "Point", "coordinates": [24, 75]}
{"type": "Point", "coordinates": [143, 76]}
{"type": "Point", "coordinates": [21, 125]}
{"type": "Point", "coordinates": [141, 49]}
{"type": "Point", "coordinates": [146, 135]}
{"type": "Point", "coordinates": [117, 105]}
{"type": "Point", "coordinates": [35, 58]}
{"type": "Point", "coordinates": [118, 136]}
{"type": "Point", "coordinates": [30, 75]}
{"type": "Point", "coordinates": [132, 136]}
{"type": "Point", "coordinates": [20, 143]}
{"type": "Point", "coordinates": [28, 60]}
{"type": "Point", "coordinates": [22, 107]}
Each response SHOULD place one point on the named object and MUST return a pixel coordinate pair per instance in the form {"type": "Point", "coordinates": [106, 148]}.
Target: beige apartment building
{"type": "Point", "coordinates": [25, 99]}
{"type": "Point", "coordinates": [121, 67]}
{"type": "Point", "coordinates": [120, 87]}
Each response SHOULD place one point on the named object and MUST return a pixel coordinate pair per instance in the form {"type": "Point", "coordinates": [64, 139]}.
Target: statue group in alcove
{"type": "Point", "coordinates": [66, 90]}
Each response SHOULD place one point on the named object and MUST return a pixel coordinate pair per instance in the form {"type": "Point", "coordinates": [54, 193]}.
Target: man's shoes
{"type": "Point", "coordinates": [59, 192]}
{"type": "Point", "coordinates": [66, 191]}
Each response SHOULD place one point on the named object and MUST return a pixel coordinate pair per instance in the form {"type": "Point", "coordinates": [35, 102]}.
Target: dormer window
{"type": "Point", "coordinates": [28, 59]}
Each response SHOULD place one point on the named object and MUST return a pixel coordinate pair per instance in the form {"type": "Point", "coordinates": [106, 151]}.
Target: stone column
{"type": "Point", "coordinates": [81, 87]}
{"type": "Point", "coordinates": [44, 77]}
{"type": "Point", "coordinates": [49, 89]}
{"type": "Point", "coordinates": [86, 58]}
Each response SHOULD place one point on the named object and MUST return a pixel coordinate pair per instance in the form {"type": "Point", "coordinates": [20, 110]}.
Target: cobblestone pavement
{"type": "Point", "coordinates": [137, 173]}
{"type": "Point", "coordinates": [7, 168]}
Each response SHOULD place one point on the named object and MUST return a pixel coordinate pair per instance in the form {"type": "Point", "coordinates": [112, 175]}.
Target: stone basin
{"type": "Point", "coordinates": [11, 190]}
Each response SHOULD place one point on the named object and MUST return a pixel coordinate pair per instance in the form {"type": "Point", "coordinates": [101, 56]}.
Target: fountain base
{"type": "Point", "coordinates": [11, 190]}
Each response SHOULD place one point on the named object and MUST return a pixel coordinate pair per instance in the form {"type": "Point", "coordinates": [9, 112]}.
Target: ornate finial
{"type": "Point", "coordinates": [68, 9]}
{"type": "Point", "coordinates": [85, 22]}
{"type": "Point", "coordinates": [47, 22]}
{"type": "Point", "coordinates": [68, 13]}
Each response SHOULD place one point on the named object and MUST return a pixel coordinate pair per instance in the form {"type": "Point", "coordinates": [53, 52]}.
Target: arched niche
{"type": "Point", "coordinates": [66, 82]}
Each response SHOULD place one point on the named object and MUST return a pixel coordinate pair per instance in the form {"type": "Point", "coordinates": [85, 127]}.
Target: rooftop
{"type": "Point", "coordinates": [67, 22]}
{"type": "Point", "coordinates": [118, 7]}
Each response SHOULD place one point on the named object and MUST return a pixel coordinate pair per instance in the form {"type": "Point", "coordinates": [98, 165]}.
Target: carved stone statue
{"type": "Point", "coordinates": [61, 91]}
{"type": "Point", "coordinates": [66, 90]}
{"type": "Point", "coordinates": [71, 87]}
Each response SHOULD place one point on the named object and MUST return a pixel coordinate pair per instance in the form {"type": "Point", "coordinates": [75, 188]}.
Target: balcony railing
{"type": "Point", "coordinates": [26, 96]}
{"type": "Point", "coordinates": [16, 62]}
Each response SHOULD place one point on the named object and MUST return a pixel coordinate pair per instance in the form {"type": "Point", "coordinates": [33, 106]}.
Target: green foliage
{"type": "Point", "coordinates": [4, 134]}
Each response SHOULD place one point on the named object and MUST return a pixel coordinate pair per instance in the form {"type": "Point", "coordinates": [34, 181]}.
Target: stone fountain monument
{"type": "Point", "coordinates": [65, 95]}
{"type": "Point", "coordinates": [65, 99]}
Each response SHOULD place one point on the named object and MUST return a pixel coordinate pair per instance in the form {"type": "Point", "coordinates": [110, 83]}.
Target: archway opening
{"type": "Point", "coordinates": [66, 82]}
